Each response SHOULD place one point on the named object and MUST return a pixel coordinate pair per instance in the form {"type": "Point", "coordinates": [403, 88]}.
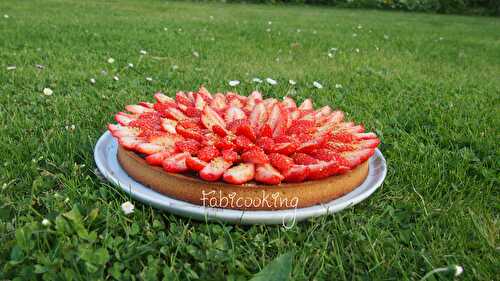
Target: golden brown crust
{"type": "Point", "coordinates": [250, 196]}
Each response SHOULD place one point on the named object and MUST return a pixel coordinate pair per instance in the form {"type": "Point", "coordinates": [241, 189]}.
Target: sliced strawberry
{"type": "Point", "coordinates": [285, 148]}
{"type": "Point", "coordinates": [192, 111]}
{"type": "Point", "coordinates": [156, 159]}
{"type": "Point", "coordinates": [266, 143]}
{"type": "Point", "coordinates": [234, 113]}
{"type": "Point", "coordinates": [288, 102]}
{"type": "Point", "coordinates": [296, 173]}
{"type": "Point", "coordinates": [124, 118]}
{"type": "Point", "coordinates": [219, 102]}
{"type": "Point", "coordinates": [301, 126]}
{"type": "Point", "coordinates": [303, 159]}
{"type": "Point", "coordinates": [214, 170]}
{"type": "Point", "coordinates": [354, 158]}
{"type": "Point", "coordinates": [274, 117]}
{"type": "Point", "coordinates": [282, 124]}
{"type": "Point", "coordinates": [146, 104]}
{"type": "Point", "coordinates": [176, 163]}
{"type": "Point", "coordinates": [369, 143]}
{"type": "Point", "coordinates": [119, 131]}
{"type": "Point", "coordinates": [129, 142]}
{"type": "Point", "coordinates": [242, 127]}
{"type": "Point", "coordinates": [174, 113]}
{"type": "Point", "coordinates": [230, 155]}
{"type": "Point", "coordinates": [208, 153]}
{"type": "Point", "coordinates": [161, 98]}
{"type": "Point", "coordinates": [325, 154]}
{"type": "Point", "coordinates": [188, 145]}
{"type": "Point", "coordinates": [255, 155]}
{"type": "Point", "coordinates": [210, 118]}
{"type": "Point", "coordinates": [254, 99]}
{"type": "Point", "coordinates": [270, 103]}
{"type": "Point", "coordinates": [191, 133]}
{"type": "Point", "coordinates": [218, 130]}
{"type": "Point", "coordinates": [294, 115]}
{"type": "Point", "coordinates": [235, 102]}
{"type": "Point", "coordinates": [195, 163]}
{"type": "Point", "coordinates": [169, 125]}
{"type": "Point", "coordinates": [205, 94]}
{"type": "Point", "coordinates": [182, 98]}
{"type": "Point", "coordinates": [258, 116]}
{"type": "Point", "coordinates": [190, 96]}
{"type": "Point", "coordinates": [243, 143]}
{"type": "Point", "coordinates": [315, 143]}
{"type": "Point", "coordinates": [239, 174]}
{"type": "Point", "coordinates": [325, 169]}
{"type": "Point", "coordinates": [199, 102]}
{"type": "Point", "coordinates": [266, 131]}
{"type": "Point", "coordinates": [225, 143]}
{"type": "Point", "coordinates": [281, 162]}
{"type": "Point", "coordinates": [309, 116]}
{"type": "Point", "coordinates": [158, 143]}
{"type": "Point", "coordinates": [306, 105]}
{"type": "Point", "coordinates": [137, 109]}
{"type": "Point", "coordinates": [266, 173]}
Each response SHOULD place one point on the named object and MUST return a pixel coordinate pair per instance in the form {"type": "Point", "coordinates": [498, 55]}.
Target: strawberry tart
{"type": "Point", "coordinates": [242, 152]}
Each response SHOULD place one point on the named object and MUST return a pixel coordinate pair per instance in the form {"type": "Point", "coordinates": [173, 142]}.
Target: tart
{"type": "Point", "coordinates": [242, 152]}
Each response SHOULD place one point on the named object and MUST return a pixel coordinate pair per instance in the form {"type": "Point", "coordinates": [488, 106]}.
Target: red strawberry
{"type": "Point", "coordinates": [192, 111]}
{"type": "Point", "coordinates": [325, 154]}
{"type": "Point", "coordinates": [156, 159]}
{"type": "Point", "coordinates": [313, 144]}
{"type": "Point", "coordinates": [158, 143]}
{"type": "Point", "coordinates": [146, 104]}
{"type": "Point", "coordinates": [303, 159]}
{"type": "Point", "coordinates": [168, 125]}
{"type": "Point", "coordinates": [129, 143]}
{"type": "Point", "coordinates": [199, 102]}
{"type": "Point", "coordinates": [301, 126]}
{"type": "Point", "coordinates": [354, 158]}
{"type": "Point", "coordinates": [255, 155]}
{"type": "Point", "coordinates": [195, 163]}
{"type": "Point", "coordinates": [119, 131]}
{"type": "Point", "coordinates": [214, 170]}
{"type": "Point", "coordinates": [265, 173]}
{"type": "Point", "coordinates": [274, 117]}
{"type": "Point", "coordinates": [306, 105]}
{"type": "Point", "coordinates": [137, 109]}
{"type": "Point", "coordinates": [282, 124]}
{"type": "Point", "coordinates": [266, 131]}
{"type": "Point", "coordinates": [230, 155]}
{"type": "Point", "coordinates": [286, 148]}
{"type": "Point", "coordinates": [266, 143]}
{"type": "Point", "coordinates": [174, 113]}
{"type": "Point", "coordinates": [208, 153]}
{"type": "Point", "coordinates": [325, 169]}
{"type": "Point", "coordinates": [253, 100]}
{"type": "Point", "coordinates": [224, 143]}
{"type": "Point", "coordinates": [161, 98]}
{"type": "Point", "coordinates": [188, 145]}
{"type": "Point", "coordinates": [239, 174]}
{"type": "Point", "coordinates": [296, 173]}
{"type": "Point", "coordinates": [193, 133]}
{"type": "Point", "coordinates": [234, 113]}
{"type": "Point", "coordinates": [258, 116]}
{"type": "Point", "coordinates": [182, 98]}
{"type": "Point", "coordinates": [176, 163]}
{"type": "Point", "coordinates": [219, 102]}
{"type": "Point", "coordinates": [288, 102]}
{"type": "Point", "coordinates": [281, 162]}
{"type": "Point", "coordinates": [219, 130]}
{"type": "Point", "coordinates": [124, 119]}
{"type": "Point", "coordinates": [205, 94]}
{"type": "Point", "coordinates": [243, 143]}
{"type": "Point", "coordinates": [210, 118]}
{"type": "Point", "coordinates": [242, 127]}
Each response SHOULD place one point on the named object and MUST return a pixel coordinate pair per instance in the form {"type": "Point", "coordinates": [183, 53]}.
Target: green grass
{"type": "Point", "coordinates": [430, 88]}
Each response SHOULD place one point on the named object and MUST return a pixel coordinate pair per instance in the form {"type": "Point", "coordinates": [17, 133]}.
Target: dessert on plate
{"type": "Point", "coordinates": [242, 152]}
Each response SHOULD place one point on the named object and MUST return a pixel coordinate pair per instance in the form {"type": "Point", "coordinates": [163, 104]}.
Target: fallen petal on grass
{"type": "Point", "coordinates": [234, 83]}
{"type": "Point", "coordinates": [111, 60]}
{"type": "Point", "coordinates": [317, 85]}
{"type": "Point", "coordinates": [47, 91]}
{"type": "Point", "coordinates": [271, 81]}
{"type": "Point", "coordinates": [128, 208]}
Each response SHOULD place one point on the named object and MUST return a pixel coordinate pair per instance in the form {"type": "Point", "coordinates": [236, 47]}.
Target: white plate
{"type": "Point", "coordinates": [105, 158]}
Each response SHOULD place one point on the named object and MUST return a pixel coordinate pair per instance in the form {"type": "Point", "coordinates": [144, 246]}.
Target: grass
{"type": "Point", "coordinates": [429, 85]}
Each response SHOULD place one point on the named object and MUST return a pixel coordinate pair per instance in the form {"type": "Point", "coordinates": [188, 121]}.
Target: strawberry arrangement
{"type": "Point", "coordinates": [240, 139]}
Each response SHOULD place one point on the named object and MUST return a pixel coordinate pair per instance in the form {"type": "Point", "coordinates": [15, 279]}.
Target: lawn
{"type": "Point", "coordinates": [429, 85]}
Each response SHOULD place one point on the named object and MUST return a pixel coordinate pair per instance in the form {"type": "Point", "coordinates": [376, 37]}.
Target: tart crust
{"type": "Point", "coordinates": [249, 196]}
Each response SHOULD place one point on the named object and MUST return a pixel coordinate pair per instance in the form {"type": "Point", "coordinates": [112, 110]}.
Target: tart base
{"type": "Point", "coordinates": [249, 196]}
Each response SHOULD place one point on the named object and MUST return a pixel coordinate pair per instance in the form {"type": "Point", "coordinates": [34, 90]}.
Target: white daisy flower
{"type": "Point", "coordinates": [149, 79]}
{"type": "Point", "coordinates": [196, 54]}
{"type": "Point", "coordinates": [354, 34]}
{"type": "Point", "coordinates": [45, 222]}
{"type": "Point", "coordinates": [269, 22]}
{"type": "Point", "coordinates": [357, 50]}
{"type": "Point", "coordinates": [268, 30]}
{"type": "Point", "coordinates": [11, 67]}
{"type": "Point", "coordinates": [128, 208]}
{"type": "Point", "coordinates": [334, 49]}
{"type": "Point", "coordinates": [330, 55]}
{"type": "Point", "coordinates": [458, 270]}
{"type": "Point", "coordinates": [271, 81]}
{"type": "Point", "coordinates": [92, 80]}
{"type": "Point", "coordinates": [257, 80]}
{"type": "Point", "coordinates": [6, 16]}
{"type": "Point", "coordinates": [292, 82]}
{"type": "Point", "coordinates": [233, 83]}
{"type": "Point", "coordinates": [131, 65]}
{"type": "Point", "coordinates": [116, 78]}
{"type": "Point", "coordinates": [338, 86]}
{"type": "Point", "coordinates": [360, 26]}
{"type": "Point", "coordinates": [47, 91]}
{"type": "Point", "coordinates": [165, 28]}
{"type": "Point", "coordinates": [317, 85]}
{"type": "Point", "coordinates": [111, 60]}
{"type": "Point", "coordinates": [143, 52]}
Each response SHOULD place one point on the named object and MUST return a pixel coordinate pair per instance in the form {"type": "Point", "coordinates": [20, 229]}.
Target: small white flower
{"type": "Point", "coordinates": [354, 34]}
{"type": "Point", "coordinates": [317, 85]}
{"type": "Point", "coordinates": [180, 29]}
{"type": "Point", "coordinates": [104, 72]}
{"type": "Point", "coordinates": [386, 37]}
{"type": "Point", "coordinates": [257, 80]}
{"type": "Point", "coordinates": [143, 52]}
{"type": "Point", "coordinates": [268, 30]}
{"type": "Point", "coordinates": [269, 22]}
{"type": "Point", "coordinates": [165, 28]}
{"type": "Point", "coordinates": [334, 49]}
{"type": "Point", "coordinates": [330, 55]}
{"type": "Point", "coordinates": [149, 79]}
{"type": "Point", "coordinates": [271, 81]}
{"type": "Point", "coordinates": [360, 26]}
{"type": "Point", "coordinates": [6, 16]}
{"type": "Point", "coordinates": [233, 83]}
{"type": "Point", "coordinates": [11, 67]}
{"type": "Point", "coordinates": [174, 67]}
{"type": "Point", "coordinates": [131, 65]}
{"type": "Point", "coordinates": [111, 60]}
{"type": "Point", "coordinates": [211, 17]}
{"type": "Point", "coordinates": [66, 200]}
{"type": "Point", "coordinates": [39, 66]}
{"type": "Point", "coordinates": [116, 78]}
{"type": "Point", "coordinates": [299, 31]}
{"type": "Point", "coordinates": [92, 80]}
{"type": "Point", "coordinates": [47, 91]}
{"type": "Point", "coordinates": [72, 127]}
{"type": "Point", "coordinates": [196, 54]}
{"type": "Point", "coordinates": [458, 270]}
{"type": "Point", "coordinates": [45, 222]}
{"type": "Point", "coordinates": [128, 208]}
{"type": "Point", "coordinates": [338, 86]}
{"type": "Point", "coordinates": [357, 50]}
{"type": "Point", "coordinates": [441, 38]}
{"type": "Point", "coordinates": [315, 32]}
{"type": "Point", "coordinates": [292, 82]}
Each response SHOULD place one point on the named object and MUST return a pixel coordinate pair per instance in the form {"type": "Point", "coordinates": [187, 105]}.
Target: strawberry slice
{"type": "Point", "coordinates": [230, 155]}
{"type": "Point", "coordinates": [296, 173]}
{"type": "Point", "coordinates": [189, 145]}
{"type": "Point", "coordinates": [255, 155]}
{"type": "Point", "coordinates": [210, 118]}
{"type": "Point", "coordinates": [301, 126]}
{"type": "Point", "coordinates": [176, 163]}
{"type": "Point", "coordinates": [285, 148]}
{"type": "Point", "coordinates": [214, 170]}
{"type": "Point", "coordinates": [168, 125]}
{"type": "Point", "coordinates": [234, 113]}
{"type": "Point", "coordinates": [236, 102]}
{"type": "Point", "coordinates": [161, 98]}
{"type": "Point", "coordinates": [137, 109]}
{"type": "Point", "coordinates": [315, 143]}
{"type": "Point", "coordinates": [242, 127]}
{"type": "Point", "coordinates": [303, 159]}
{"type": "Point", "coordinates": [191, 133]}
{"type": "Point", "coordinates": [274, 117]}
{"type": "Point", "coordinates": [254, 99]}
{"type": "Point", "coordinates": [266, 131]}
{"type": "Point", "coordinates": [182, 98]}
{"type": "Point", "coordinates": [130, 142]}
{"type": "Point", "coordinates": [158, 143]}
{"type": "Point", "coordinates": [195, 163]}
{"type": "Point", "coordinates": [325, 154]}
{"type": "Point", "coordinates": [281, 162]}
{"type": "Point", "coordinates": [289, 103]}
{"type": "Point", "coordinates": [205, 94]}
{"type": "Point", "coordinates": [199, 102]}
{"type": "Point", "coordinates": [325, 169]}
{"type": "Point", "coordinates": [354, 158]}
{"type": "Point", "coordinates": [119, 131]}
{"type": "Point", "coordinates": [267, 174]}
{"type": "Point", "coordinates": [242, 173]}
{"type": "Point", "coordinates": [306, 105]}
{"type": "Point", "coordinates": [219, 102]}
{"type": "Point", "coordinates": [282, 124]}
{"type": "Point", "coordinates": [146, 104]}
{"type": "Point", "coordinates": [218, 130]}
{"type": "Point", "coordinates": [266, 143]}
{"type": "Point", "coordinates": [208, 153]}
{"type": "Point", "coordinates": [124, 118]}
{"type": "Point", "coordinates": [225, 143]}
{"type": "Point", "coordinates": [156, 159]}
{"type": "Point", "coordinates": [190, 96]}
{"type": "Point", "coordinates": [258, 116]}
{"type": "Point", "coordinates": [270, 103]}
{"type": "Point", "coordinates": [294, 115]}
{"type": "Point", "coordinates": [192, 111]}
{"type": "Point", "coordinates": [243, 143]}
